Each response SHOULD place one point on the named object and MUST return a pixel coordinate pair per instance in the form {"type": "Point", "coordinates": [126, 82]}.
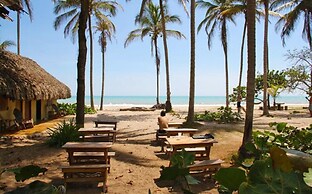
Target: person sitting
{"type": "Point", "coordinates": [162, 122]}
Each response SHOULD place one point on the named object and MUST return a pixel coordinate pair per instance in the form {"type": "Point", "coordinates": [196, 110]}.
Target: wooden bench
{"type": "Point", "coordinates": [205, 167]}
{"type": "Point", "coordinates": [92, 158]}
{"type": "Point", "coordinates": [174, 125]}
{"type": "Point", "coordinates": [200, 152]}
{"type": "Point", "coordinates": [106, 123]}
{"type": "Point", "coordinates": [86, 173]}
{"type": "Point", "coordinates": [99, 138]}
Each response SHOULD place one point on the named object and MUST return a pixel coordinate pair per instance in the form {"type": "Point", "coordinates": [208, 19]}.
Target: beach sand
{"type": "Point", "coordinates": [136, 166]}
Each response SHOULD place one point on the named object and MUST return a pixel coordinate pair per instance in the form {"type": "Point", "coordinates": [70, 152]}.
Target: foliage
{"type": "Point", "coordinates": [26, 172]}
{"type": "Point", "coordinates": [273, 174]}
{"type": "Point", "coordinates": [233, 97]}
{"type": "Point", "coordinates": [299, 75]}
{"type": "Point", "coordinates": [178, 170]}
{"type": "Point", "coordinates": [39, 187]}
{"type": "Point", "coordinates": [287, 137]}
{"type": "Point", "coordinates": [224, 115]}
{"type": "Point", "coordinates": [70, 109]}
{"type": "Point", "coordinates": [62, 133]}
{"type": "Point", "coordinates": [275, 77]}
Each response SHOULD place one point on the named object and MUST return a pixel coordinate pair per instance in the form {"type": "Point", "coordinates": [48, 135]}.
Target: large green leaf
{"type": "Point", "coordinates": [173, 172]}
{"type": "Point", "coordinates": [308, 177]}
{"type": "Point", "coordinates": [263, 178]}
{"type": "Point", "coordinates": [36, 187]}
{"type": "Point", "coordinates": [230, 178]}
{"type": "Point", "coordinates": [182, 159]}
{"type": "Point", "coordinates": [26, 172]}
{"type": "Point", "coordinates": [191, 180]}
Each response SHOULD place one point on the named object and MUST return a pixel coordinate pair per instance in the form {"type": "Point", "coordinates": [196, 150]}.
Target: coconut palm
{"type": "Point", "coordinates": [163, 23]}
{"type": "Point", "coordinates": [251, 58]}
{"type": "Point", "coordinates": [97, 8]}
{"type": "Point", "coordinates": [190, 115]}
{"type": "Point", "coordinates": [6, 44]}
{"type": "Point", "coordinates": [25, 3]}
{"type": "Point", "coordinates": [214, 19]}
{"type": "Point", "coordinates": [81, 64]}
{"type": "Point", "coordinates": [150, 25]}
{"type": "Point", "coordinates": [106, 29]}
{"type": "Point", "coordinates": [295, 8]}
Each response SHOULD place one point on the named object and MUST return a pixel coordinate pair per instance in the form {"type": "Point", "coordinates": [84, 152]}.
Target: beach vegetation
{"type": "Point", "coordinates": [106, 28]}
{"type": "Point", "coordinates": [223, 115]}
{"type": "Point", "coordinates": [64, 132]}
{"type": "Point", "coordinates": [150, 25]}
{"type": "Point", "coordinates": [178, 170]}
{"type": "Point", "coordinates": [215, 20]}
{"type": "Point", "coordinates": [70, 109]}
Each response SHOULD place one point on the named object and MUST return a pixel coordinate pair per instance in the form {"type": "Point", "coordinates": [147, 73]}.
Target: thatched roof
{"type": "Point", "coordinates": [23, 79]}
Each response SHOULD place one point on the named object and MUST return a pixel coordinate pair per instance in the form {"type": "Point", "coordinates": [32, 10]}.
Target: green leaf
{"type": "Point", "coordinates": [191, 180]}
{"type": "Point", "coordinates": [280, 127]}
{"type": "Point", "coordinates": [36, 187]}
{"type": "Point", "coordinates": [182, 159]}
{"type": "Point", "coordinates": [26, 172]}
{"type": "Point", "coordinates": [173, 172]}
{"type": "Point", "coordinates": [280, 159]}
{"type": "Point", "coordinates": [308, 177]}
{"type": "Point", "coordinates": [263, 178]}
{"type": "Point", "coordinates": [230, 178]}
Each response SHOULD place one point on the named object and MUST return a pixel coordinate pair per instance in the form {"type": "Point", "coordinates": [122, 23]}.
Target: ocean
{"type": "Point", "coordinates": [175, 100]}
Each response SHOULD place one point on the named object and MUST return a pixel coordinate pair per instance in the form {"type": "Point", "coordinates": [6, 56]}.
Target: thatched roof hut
{"type": "Point", "coordinates": [23, 79]}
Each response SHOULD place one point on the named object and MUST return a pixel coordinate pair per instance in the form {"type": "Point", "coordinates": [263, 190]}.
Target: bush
{"type": "Point", "coordinates": [224, 115]}
{"type": "Point", "coordinates": [62, 133]}
{"type": "Point", "coordinates": [70, 109]}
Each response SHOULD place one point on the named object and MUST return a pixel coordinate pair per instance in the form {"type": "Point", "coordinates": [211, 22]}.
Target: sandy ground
{"type": "Point", "coordinates": [136, 166]}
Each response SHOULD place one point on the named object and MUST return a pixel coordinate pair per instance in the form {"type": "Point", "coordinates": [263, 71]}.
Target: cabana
{"type": "Point", "coordinates": [25, 86]}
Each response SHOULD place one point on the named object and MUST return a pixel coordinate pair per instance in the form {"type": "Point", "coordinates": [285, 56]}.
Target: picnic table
{"type": "Point", "coordinates": [99, 171]}
{"type": "Point", "coordinates": [182, 131]}
{"type": "Point", "coordinates": [112, 124]}
{"type": "Point", "coordinates": [184, 142]}
{"type": "Point", "coordinates": [110, 133]}
{"type": "Point", "coordinates": [279, 105]}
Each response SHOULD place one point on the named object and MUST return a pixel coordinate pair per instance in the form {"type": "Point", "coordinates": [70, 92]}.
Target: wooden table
{"type": "Point", "coordinates": [103, 147]}
{"type": "Point", "coordinates": [176, 131]}
{"type": "Point", "coordinates": [95, 131]}
{"type": "Point", "coordinates": [106, 123]}
{"type": "Point", "coordinates": [72, 147]}
{"type": "Point", "coordinates": [181, 142]}
{"type": "Point", "coordinates": [174, 124]}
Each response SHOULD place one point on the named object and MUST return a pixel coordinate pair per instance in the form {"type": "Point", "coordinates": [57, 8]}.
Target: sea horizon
{"type": "Point", "coordinates": [175, 100]}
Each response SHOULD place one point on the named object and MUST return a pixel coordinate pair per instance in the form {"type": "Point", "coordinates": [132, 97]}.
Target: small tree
{"type": "Point", "coordinates": [299, 76]}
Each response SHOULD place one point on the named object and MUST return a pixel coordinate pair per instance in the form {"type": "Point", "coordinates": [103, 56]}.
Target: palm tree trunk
{"type": "Point", "coordinates": [91, 62]}
{"type": "Point", "coordinates": [242, 59]}
{"type": "Point", "coordinates": [18, 23]}
{"type": "Point", "coordinates": [251, 45]}
{"type": "Point", "coordinates": [265, 59]}
{"type": "Point", "coordinates": [224, 44]}
{"type": "Point", "coordinates": [190, 116]}
{"type": "Point", "coordinates": [157, 62]}
{"type": "Point", "coordinates": [81, 64]}
{"type": "Point", "coordinates": [103, 72]}
{"type": "Point", "coordinates": [163, 24]}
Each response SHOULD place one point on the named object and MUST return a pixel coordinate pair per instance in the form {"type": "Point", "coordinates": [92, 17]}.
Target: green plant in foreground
{"type": "Point", "coordinates": [62, 133]}
{"type": "Point", "coordinates": [274, 174]}
{"type": "Point", "coordinates": [178, 170]}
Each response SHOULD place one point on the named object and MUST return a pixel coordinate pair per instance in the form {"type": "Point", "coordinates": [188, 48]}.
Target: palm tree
{"type": "Point", "coordinates": [106, 29]}
{"type": "Point", "coordinates": [290, 19]}
{"type": "Point", "coordinates": [96, 8]}
{"type": "Point", "coordinates": [150, 24]}
{"type": "Point", "coordinates": [163, 23]}
{"type": "Point", "coordinates": [251, 58]}
{"type": "Point", "coordinates": [6, 44]}
{"type": "Point", "coordinates": [190, 115]}
{"type": "Point", "coordinates": [18, 23]}
{"type": "Point", "coordinates": [81, 64]}
{"type": "Point", "coordinates": [214, 19]}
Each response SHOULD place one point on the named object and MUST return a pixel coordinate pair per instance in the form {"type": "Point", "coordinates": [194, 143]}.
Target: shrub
{"type": "Point", "coordinates": [62, 133]}
{"type": "Point", "coordinates": [224, 115]}
{"type": "Point", "coordinates": [70, 109]}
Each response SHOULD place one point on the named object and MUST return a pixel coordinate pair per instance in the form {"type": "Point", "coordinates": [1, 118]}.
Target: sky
{"type": "Point", "coordinates": [131, 71]}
